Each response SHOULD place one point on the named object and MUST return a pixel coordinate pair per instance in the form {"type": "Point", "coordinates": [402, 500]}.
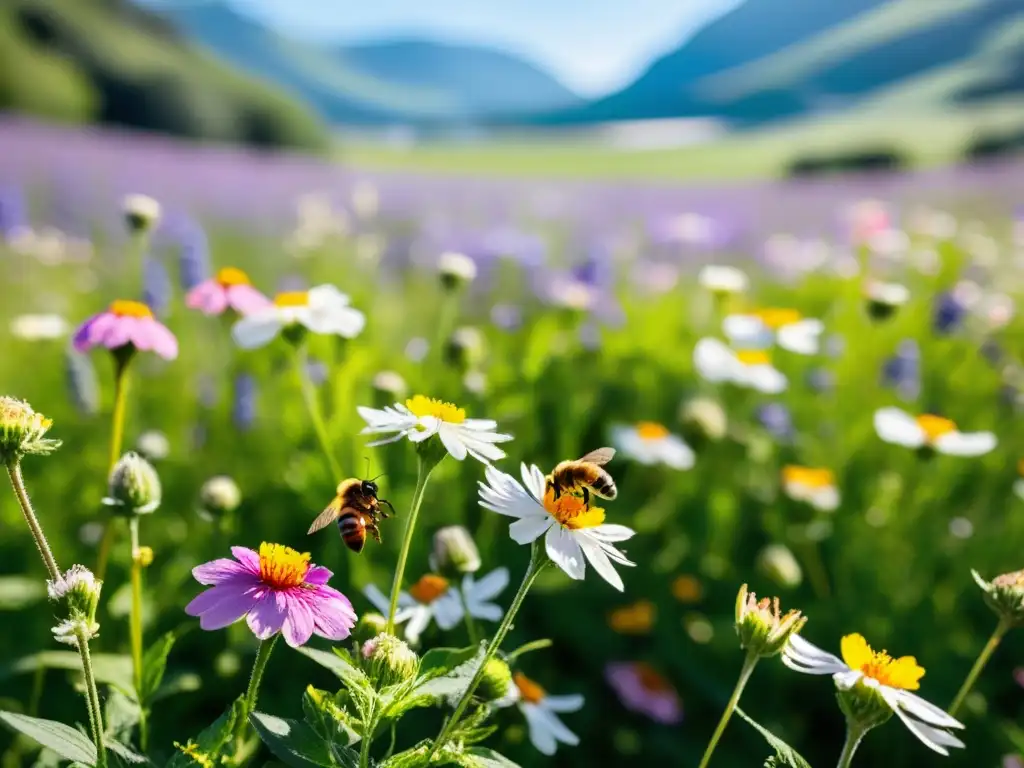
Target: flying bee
{"type": "Point", "coordinates": [357, 510]}
{"type": "Point", "coordinates": [585, 474]}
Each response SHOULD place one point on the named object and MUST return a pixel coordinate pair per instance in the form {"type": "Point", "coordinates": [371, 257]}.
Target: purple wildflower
{"type": "Point", "coordinates": [642, 689]}
{"type": "Point", "coordinates": [126, 324]}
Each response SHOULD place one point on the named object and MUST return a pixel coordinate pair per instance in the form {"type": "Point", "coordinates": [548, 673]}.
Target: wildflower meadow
{"type": "Point", "coordinates": [311, 466]}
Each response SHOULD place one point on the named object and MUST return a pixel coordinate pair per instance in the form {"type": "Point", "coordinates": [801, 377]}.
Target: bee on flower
{"type": "Point", "coordinates": [542, 711]}
{"type": "Point", "coordinates": [763, 327]}
{"type": "Point", "coordinates": [648, 442]}
{"type": "Point", "coordinates": [813, 485]}
{"type": "Point", "coordinates": [230, 289]}
{"type": "Point", "coordinates": [124, 327]}
{"type": "Point", "coordinates": [419, 418]}
{"type": "Point", "coordinates": [928, 432]}
{"type": "Point", "coordinates": [873, 685]}
{"type": "Point", "coordinates": [642, 689]}
{"type": "Point", "coordinates": [748, 368]}
{"type": "Point", "coordinates": [322, 310]}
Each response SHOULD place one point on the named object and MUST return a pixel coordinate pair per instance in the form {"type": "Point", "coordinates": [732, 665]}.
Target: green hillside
{"type": "Point", "coordinates": [108, 61]}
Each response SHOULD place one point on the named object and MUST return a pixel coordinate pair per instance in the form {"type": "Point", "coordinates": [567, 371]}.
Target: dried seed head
{"type": "Point", "coordinates": [134, 486]}
{"type": "Point", "coordinates": [22, 431]}
{"type": "Point", "coordinates": [762, 627]}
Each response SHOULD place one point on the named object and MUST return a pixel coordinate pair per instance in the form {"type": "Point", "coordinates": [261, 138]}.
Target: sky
{"type": "Point", "coordinates": [593, 46]}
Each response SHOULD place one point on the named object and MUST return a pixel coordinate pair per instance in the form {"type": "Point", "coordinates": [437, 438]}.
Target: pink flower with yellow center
{"type": "Point", "coordinates": [574, 531]}
{"type": "Point", "coordinates": [928, 431]}
{"type": "Point", "coordinates": [641, 688]}
{"type": "Point", "coordinates": [892, 678]}
{"type": "Point", "coordinates": [230, 289]}
{"type": "Point", "coordinates": [126, 324]}
{"type": "Point", "coordinates": [276, 590]}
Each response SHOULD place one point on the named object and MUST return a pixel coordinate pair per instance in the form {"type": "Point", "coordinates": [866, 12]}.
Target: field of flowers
{"type": "Point", "coordinates": [813, 389]}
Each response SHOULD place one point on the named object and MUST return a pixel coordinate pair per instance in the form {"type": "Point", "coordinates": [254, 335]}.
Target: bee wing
{"type": "Point", "coordinates": [600, 457]}
{"type": "Point", "coordinates": [326, 517]}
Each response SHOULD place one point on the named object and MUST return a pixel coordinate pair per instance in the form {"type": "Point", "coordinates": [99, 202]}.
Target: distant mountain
{"type": "Point", "coordinates": [771, 59]}
{"type": "Point", "coordinates": [400, 81]}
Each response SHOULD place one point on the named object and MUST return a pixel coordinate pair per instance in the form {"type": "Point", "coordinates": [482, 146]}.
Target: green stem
{"type": "Point", "coordinates": [446, 318]}
{"type": "Point", "coordinates": [854, 736]}
{"type": "Point", "coordinates": [116, 442]}
{"type": "Point", "coordinates": [135, 630]}
{"type": "Point", "coordinates": [474, 637]}
{"type": "Point", "coordinates": [255, 678]}
{"type": "Point", "coordinates": [315, 413]}
{"type": "Point", "coordinates": [422, 475]}
{"type": "Point", "coordinates": [986, 653]}
{"type": "Point", "coordinates": [748, 667]}
{"type": "Point", "coordinates": [92, 700]}
{"type": "Point", "coordinates": [18, 483]}
{"type": "Point", "coordinates": [369, 726]}
{"type": "Point", "coordinates": [816, 571]}
{"type": "Point", "coordinates": [538, 560]}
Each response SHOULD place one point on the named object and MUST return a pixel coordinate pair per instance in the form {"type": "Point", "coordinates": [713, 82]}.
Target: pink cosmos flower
{"type": "Point", "coordinates": [126, 323]}
{"type": "Point", "coordinates": [229, 289]}
{"type": "Point", "coordinates": [277, 590]}
{"type": "Point", "coordinates": [641, 689]}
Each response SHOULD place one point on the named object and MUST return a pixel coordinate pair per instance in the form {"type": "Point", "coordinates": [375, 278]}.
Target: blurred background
{"type": "Point", "coordinates": [589, 157]}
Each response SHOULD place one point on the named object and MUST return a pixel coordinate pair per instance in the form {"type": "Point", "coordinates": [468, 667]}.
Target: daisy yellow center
{"type": "Point", "coordinates": [687, 589]}
{"type": "Point", "coordinates": [129, 308]}
{"type": "Point", "coordinates": [636, 619]}
{"type": "Point", "coordinates": [808, 477]}
{"type": "Point", "coordinates": [935, 427]}
{"type": "Point", "coordinates": [232, 276]}
{"type": "Point", "coordinates": [420, 406]}
{"type": "Point", "coordinates": [650, 680]}
{"type": "Point", "coordinates": [282, 567]}
{"type": "Point", "coordinates": [775, 317]}
{"type": "Point", "coordinates": [651, 430]}
{"type": "Point", "coordinates": [903, 673]}
{"type": "Point", "coordinates": [753, 357]}
{"type": "Point", "coordinates": [292, 299]}
{"type": "Point", "coordinates": [571, 511]}
{"type": "Point", "coordinates": [429, 588]}
{"type": "Point", "coordinates": [529, 691]}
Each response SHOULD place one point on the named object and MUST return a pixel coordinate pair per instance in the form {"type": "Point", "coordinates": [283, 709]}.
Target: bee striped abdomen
{"type": "Point", "coordinates": [602, 485]}
{"type": "Point", "coordinates": [353, 530]}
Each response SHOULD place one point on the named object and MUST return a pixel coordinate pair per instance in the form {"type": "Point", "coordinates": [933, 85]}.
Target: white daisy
{"type": "Point", "coordinates": [814, 486]}
{"type": "Point", "coordinates": [420, 418]}
{"type": "Point", "coordinates": [541, 713]}
{"type": "Point", "coordinates": [752, 369]}
{"type": "Point", "coordinates": [758, 330]}
{"type": "Point", "coordinates": [894, 425]}
{"type": "Point", "coordinates": [39, 327]}
{"type": "Point", "coordinates": [323, 309]}
{"type": "Point", "coordinates": [722, 279]}
{"type": "Point", "coordinates": [651, 443]}
{"type": "Point", "coordinates": [571, 527]}
{"type": "Point", "coordinates": [894, 679]}
{"type": "Point", "coordinates": [886, 294]}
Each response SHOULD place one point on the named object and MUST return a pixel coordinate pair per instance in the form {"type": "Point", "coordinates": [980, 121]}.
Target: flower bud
{"type": "Point", "coordinates": [134, 486]}
{"type": "Point", "coordinates": [153, 445]}
{"type": "Point", "coordinates": [1005, 595]}
{"type": "Point", "coordinates": [496, 685]}
{"type": "Point", "coordinates": [79, 590]}
{"type": "Point", "coordinates": [863, 705]}
{"type": "Point", "coordinates": [703, 420]}
{"type": "Point", "coordinates": [219, 496]}
{"type": "Point", "coordinates": [762, 629]}
{"type": "Point", "coordinates": [465, 348]}
{"type": "Point", "coordinates": [455, 270]}
{"type": "Point", "coordinates": [883, 299]}
{"type": "Point", "coordinates": [455, 552]}
{"type": "Point", "coordinates": [391, 660]}
{"type": "Point", "coordinates": [390, 387]}
{"type": "Point", "coordinates": [143, 557]}
{"type": "Point", "coordinates": [368, 627]}
{"type": "Point", "coordinates": [22, 430]}
{"type": "Point", "coordinates": [68, 630]}
{"type": "Point", "coordinates": [777, 563]}
{"type": "Point", "coordinates": [141, 213]}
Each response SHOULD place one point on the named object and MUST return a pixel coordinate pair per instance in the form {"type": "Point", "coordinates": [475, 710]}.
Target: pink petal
{"type": "Point", "coordinates": [118, 333]}
{"type": "Point", "coordinates": [247, 557]}
{"type": "Point", "coordinates": [221, 570]}
{"type": "Point", "coordinates": [208, 297]}
{"type": "Point", "coordinates": [299, 623]}
{"type": "Point", "coordinates": [209, 598]}
{"type": "Point", "coordinates": [333, 616]}
{"type": "Point", "coordinates": [245, 299]}
{"type": "Point", "coordinates": [151, 334]}
{"type": "Point", "coordinates": [88, 332]}
{"type": "Point", "coordinates": [318, 575]}
{"type": "Point", "coordinates": [234, 604]}
{"type": "Point", "coordinates": [267, 616]}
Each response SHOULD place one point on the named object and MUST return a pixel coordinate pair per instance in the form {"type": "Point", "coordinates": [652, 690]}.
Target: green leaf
{"type": "Point", "coordinates": [109, 668]}
{"type": "Point", "coordinates": [443, 677]}
{"type": "Point", "coordinates": [484, 757]}
{"type": "Point", "coordinates": [62, 739]}
{"type": "Point", "coordinates": [214, 739]}
{"type": "Point", "coordinates": [17, 592]}
{"type": "Point", "coordinates": [175, 683]}
{"type": "Point", "coordinates": [438, 661]}
{"type": "Point", "coordinates": [328, 718]}
{"type": "Point", "coordinates": [783, 751]}
{"type": "Point", "coordinates": [356, 682]}
{"type": "Point", "coordinates": [295, 744]}
{"type": "Point", "coordinates": [121, 715]}
{"type": "Point", "coordinates": [154, 664]}
{"type": "Point", "coordinates": [126, 755]}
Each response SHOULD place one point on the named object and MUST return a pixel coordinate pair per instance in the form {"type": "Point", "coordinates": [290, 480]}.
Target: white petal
{"type": "Point", "coordinates": [747, 332]}
{"type": "Point", "coordinates": [825, 499]}
{"type": "Point", "coordinates": [801, 337]}
{"type": "Point", "coordinates": [570, 703]}
{"type": "Point", "coordinates": [556, 726]}
{"type": "Point", "coordinates": [896, 426]}
{"type": "Point", "coordinates": [482, 450]}
{"type": "Point", "coordinates": [600, 561]}
{"type": "Point", "coordinates": [764, 378]}
{"type": "Point", "coordinates": [677, 454]}
{"type": "Point", "coordinates": [714, 361]}
{"type": "Point", "coordinates": [609, 532]}
{"type": "Point", "coordinates": [528, 529]}
{"type": "Point", "coordinates": [534, 480]}
{"type": "Point", "coordinates": [540, 733]}
{"type": "Point", "coordinates": [933, 738]}
{"type": "Point", "coordinates": [565, 552]}
{"type": "Point", "coordinates": [452, 443]}
{"type": "Point", "coordinates": [418, 621]}
{"type": "Point", "coordinates": [814, 660]}
{"type": "Point", "coordinates": [503, 494]}
{"type": "Point", "coordinates": [379, 600]}
{"type": "Point", "coordinates": [489, 586]}
{"type": "Point", "coordinates": [447, 609]}
{"type": "Point", "coordinates": [927, 711]}
{"type": "Point", "coordinates": [326, 295]}
{"type": "Point", "coordinates": [256, 330]}
{"type": "Point", "coordinates": [966, 443]}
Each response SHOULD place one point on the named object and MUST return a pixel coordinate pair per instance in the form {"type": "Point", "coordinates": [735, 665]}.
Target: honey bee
{"type": "Point", "coordinates": [357, 509]}
{"type": "Point", "coordinates": [585, 474]}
